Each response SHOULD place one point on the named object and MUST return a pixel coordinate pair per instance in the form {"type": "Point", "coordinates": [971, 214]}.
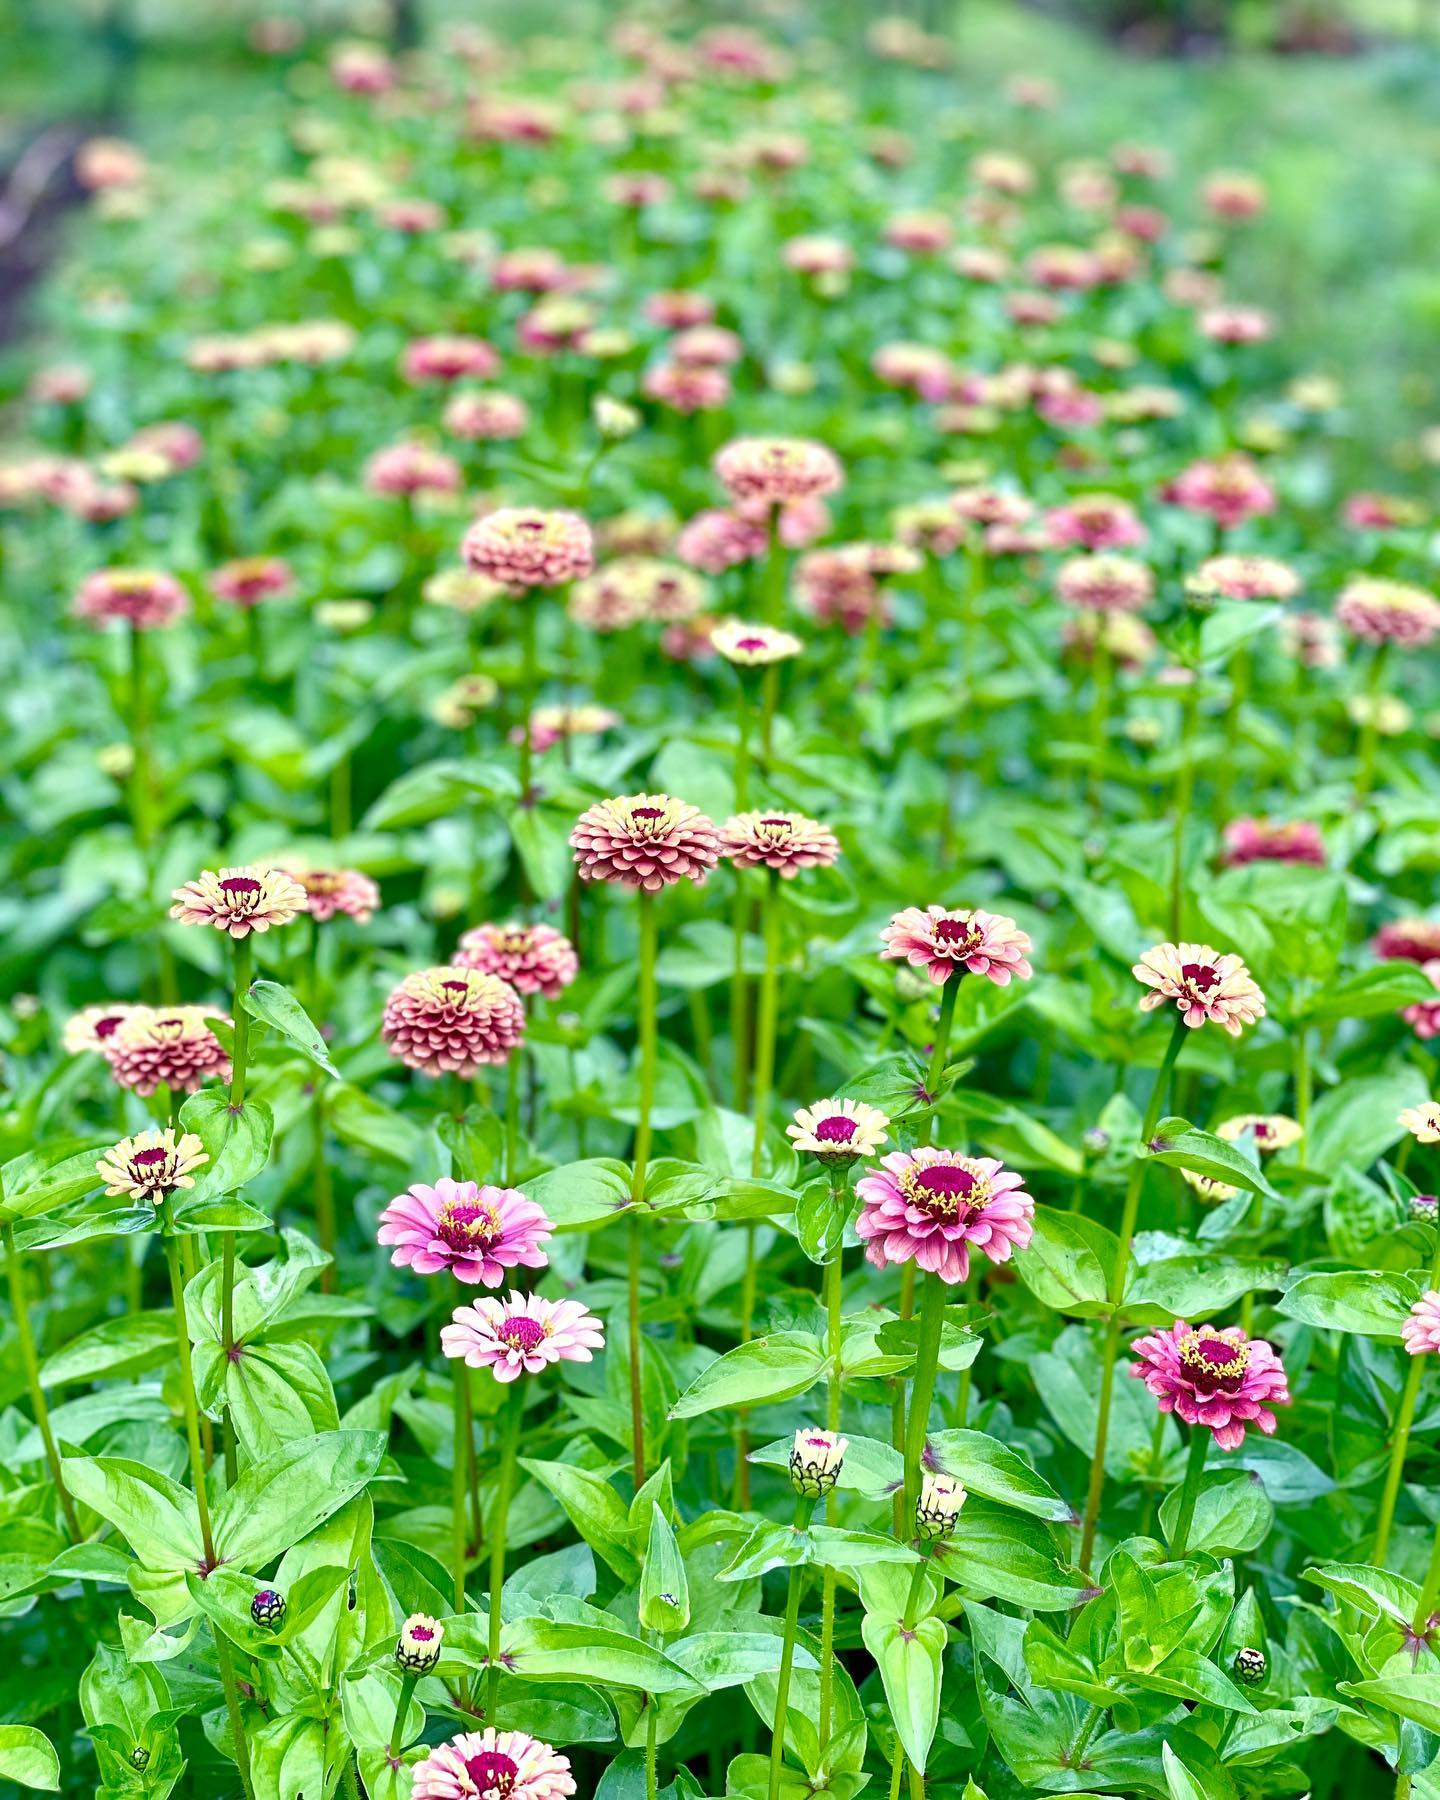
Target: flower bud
{"type": "Point", "coordinates": [815, 1462]}
{"type": "Point", "coordinates": [1250, 1666]}
{"type": "Point", "coordinates": [418, 1650]}
{"type": "Point", "coordinates": [139, 1757]}
{"type": "Point", "coordinates": [613, 418]}
{"type": "Point", "coordinates": [938, 1506]}
{"type": "Point", "coordinates": [267, 1609]}
{"type": "Point", "coordinates": [1425, 1208]}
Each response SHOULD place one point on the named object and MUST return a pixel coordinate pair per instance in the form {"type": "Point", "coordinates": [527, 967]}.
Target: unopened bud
{"type": "Point", "coordinates": [1250, 1666]}
{"type": "Point", "coordinates": [418, 1650]}
{"type": "Point", "coordinates": [267, 1609]}
{"type": "Point", "coordinates": [938, 1507]}
{"type": "Point", "coordinates": [815, 1462]}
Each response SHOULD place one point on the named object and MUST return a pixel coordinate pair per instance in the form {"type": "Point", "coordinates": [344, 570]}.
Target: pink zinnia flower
{"type": "Point", "coordinates": [252, 579]}
{"type": "Point", "coordinates": [239, 901]}
{"type": "Point", "coordinates": [1245, 578]}
{"type": "Point", "coordinates": [715, 541]}
{"type": "Point", "coordinates": [148, 599]}
{"type": "Point", "coordinates": [1096, 522]}
{"type": "Point", "coordinates": [491, 1765]}
{"type": "Point", "coordinates": [331, 891]}
{"type": "Point", "coordinates": [1424, 1017]}
{"type": "Point", "coordinates": [1105, 583]}
{"type": "Point", "coordinates": [448, 359]}
{"type": "Point", "coordinates": [645, 841]}
{"type": "Point", "coordinates": [1266, 840]}
{"type": "Point", "coordinates": [777, 470]}
{"type": "Point", "coordinates": [94, 1026]}
{"type": "Point", "coordinates": [1204, 984]}
{"type": "Point", "coordinates": [1233, 194]}
{"type": "Point", "coordinates": [678, 309]}
{"type": "Point", "coordinates": [933, 1204]}
{"type": "Point", "coordinates": [1235, 324]}
{"type": "Point", "coordinates": [549, 725]}
{"type": "Point", "coordinates": [1421, 1331]}
{"type": "Point", "coordinates": [1408, 940]}
{"type": "Point", "coordinates": [452, 1021]}
{"type": "Point", "coordinates": [534, 959]}
{"type": "Point", "coordinates": [521, 1335]}
{"type": "Point", "coordinates": [524, 547]}
{"type": "Point", "coordinates": [478, 1233]}
{"type": "Point", "coordinates": [951, 942]}
{"type": "Point", "coordinates": [486, 416]}
{"type": "Point", "coordinates": [686, 387]}
{"type": "Point", "coordinates": [785, 842]}
{"type": "Point", "coordinates": [1388, 612]}
{"type": "Point", "coordinates": [1218, 1379]}
{"type": "Point", "coordinates": [412, 469]}
{"type": "Point", "coordinates": [1229, 491]}
{"type": "Point", "coordinates": [172, 1047]}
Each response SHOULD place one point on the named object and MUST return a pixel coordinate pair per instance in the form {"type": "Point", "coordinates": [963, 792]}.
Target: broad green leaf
{"type": "Point", "coordinates": [281, 1500]}
{"type": "Point", "coordinates": [1068, 1263]}
{"type": "Point", "coordinates": [27, 1757]}
{"type": "Point", "coordinates": [279, 1008]}
{"type": "Point", "coordinates": [154, 1514]}
{"type": "Point", "coordinates": [777, 1367]}
{"type": "Point", "coordinates": [1370, 1302]}
{"type": "Point", "coordinates": [124, 1346]}
{"type": "Point", "coordinates": [237, 1143]}
{"type": "Point", "coordinates": [595, 1510]}
{"type": "Point", "coordinates": [1384, 989]}
{"type": "Point", "coordinates": [1183, 1147]}
{"type": "Point", "coordinates": [910, 1671]}
{"type": "Point", "coordinates": [993, 1471]}
{"type": "Point", "coordinates": [664, 1588]}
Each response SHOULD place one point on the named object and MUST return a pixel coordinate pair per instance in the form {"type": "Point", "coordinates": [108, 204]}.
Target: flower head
{"type": "Point", "coordinates": [1219, 1379]}
{"type": "Point", "coordinates": [838, 1131]}
{"type": "Point", "coordinates": [1422, 1122]}
{"type": "Point", "coordinates": [148, 599]}
{"type": "Point", "coordinates": [252, 579]}
{"type": "Point", "coordinates": [951, 942]}
{"type": "Point", "coordinates": [753, 646]}
{"type": "Point", "coordinates": [1421, 1330]}
{"type": "Point", "coordinates": [172, 1047]}
{"type": "Point", "coordinates": [1388, 612]}
{"type": "Point", "coordinates": [492, 1765]}
{"type": "Point", "coordinates": [1409, 940]}
{"type": "Point", "coordinates": [932, 1205]}
{"type": "Point", "coordinates": [550, 725]}
{"type": "Point", "coordinates": [93, 1027]}
{"type": "Point", "coordinates": [1244, 578]}
{"type": "Point", "coordinates": [1424, 1016]}
{"type": "Point", "coordinates": [1095, 522]}
{"type": "Point", "coordinates": [521, 1335]}
{"type": "Point", "coordinates": [777, 470]}
{"type": "Point", "coordinates": [331, 891]}
{"type": "Point", "coordinates": [418, 1649]}
{"type": "Point", "coordinates": [1104, 583]}
{"type": "Point", "coordinates": [1205, 985]}
{"type": "Point", "coordinates": [938, 1506]}
{"type": "Point", "coordinates": [452, 1021]}
{"type": "Point", "coordinates": [524, 547]}
{"type": "Point", "coordinates": [267, 1609]}
{"type": "Point", "coordinates": [1269, 840]}
{"type": "Point", "coordinates": [785, 842]}
{"type": "Point", "coordinates": [1271, 1131]}
{"type": "Point", "coordinates": [412, 469]}
{"type": "Point", "coordinates": [486, 415]}
{"type": "Point", "coordinates": [152, 1165]}
{"type": "Point", "coordinates": [534, 959]}
{"type": "Point", "coordinates": [445, 358]}
{"type": "Point", "coordinates": [477, 1233]}
{"type": "Point", "coordinates": [816, 1458]}
{"type": "Point", "coordinates": [239, 900]}
{"type": "Point", "coordinates": [645, 841]}
{"type": "Point", "coordinates": [1229, 491]}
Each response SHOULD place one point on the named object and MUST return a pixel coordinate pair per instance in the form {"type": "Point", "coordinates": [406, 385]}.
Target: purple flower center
{"type": "Point", "coordinates": [239, 887]}
{"type": "Point", "coordinates": [421, 1634]}
{"type": "Point", "coordinates": [522, 1333]}
{"type": "Point", "coordinates": [150, 1159]}
{"type": "Point", "coordinates": [105, 1027]}
{"type": "Point", "coordinates": [944, 1190]}
{"type": "Point", "coordinates": [462, 1225]}
{"type": "Point", "coordinates": [492, 1772]}
{"type": "Point", "coordinates": [780, 824]}
{"type": "Point", "coordinates": [646, 812]}
{"type": "Point", "coordinates": [1215, 1365]}
{"type": "Point", "coordinates": [837, 1129]}
{"type": "Point", "coordinates": [456, 987]}
{"type": "Point", "coordinates": [1200, 975]}
{"type": "Point", "coordinates": [956, 932]}
{"type": "Point", "coordinates": [750, 644]}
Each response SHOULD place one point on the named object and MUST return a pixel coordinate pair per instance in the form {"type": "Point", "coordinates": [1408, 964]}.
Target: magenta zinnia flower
{"type": "Point", "coordinates": [785, 842]}
{"type": "Point", "coordinates": [239, 901]}
{"type": "Point", "coordinates": [1218, 1379]}
{"type": "Point", "coordinates": [946, 943]}
{"type": "Point", "coordinates": [534, 959]}
{"type": "Point", "coordinates": [452, 1021]}
{"type": "Point", "coordinates": [524, 547]}
{"type": "Point", "coordinates": [1204, 984]}
{"type": "Point", "coordinates": [492, 1765]}
{"type": "Point", "coordinates": [478, 1233]}
{"type": "Point", "coordinates": [1421, 1330]}
{"type": "Point", "coordinates": [148, 599]}
{"type": "Point", "coordinates": [933, 1204]}
{"type": "Point", "coordinates": [252, 579]}
{"type": "Point", "coordinates": [1409, 940]}
{"type": "Point", "coordinates": [645, 841]}
{"type": "Point", "coordinates": [521, 1335]}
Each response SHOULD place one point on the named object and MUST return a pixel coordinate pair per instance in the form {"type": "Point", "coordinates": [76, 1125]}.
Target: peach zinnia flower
{"type": "Point", "coordinates": [252, 579]}
{"type": "Point", "coordinates": [1105, 583]}
{"type": "Point", "coordinates": [534, 959]}
{"type": "Point", "coordinates": [785, 842]}
{"type": "Point", "coordinates": [1245, 578]}
{"type": "Point", "coordinates": [952, 942]}
{"type": "Point", "coordinates": [777, 470]}
{"type": "Point", "coordinates": [172, 1047]}
{"type": "Point", "coordinates": [148, 599]}
{"type": "Point", "coordinates": [838, 1131]}
{"type": "Point", "coordinates": [645, 841]}
{"type": "Point", "coordinates": [1388, 612]}
{"type": "Point", "coordinates": [1220, 1380]}
{"type": "Point", "coordinates": [1204, 984]}
{"type": "Point", "coordinates": [753, 646]}
{"type": "Point", "coordinates": [412, 469]}
{"type": "Point", "coordinates": [932, 1205]}
{"type": "Point", "coordinates": [1422, 1122]}
{"type": "Point", "coordinates": [492, 1765]}
{"type": "Point", "coordinates": [239, 900]}
{"type": "Point", "coordinates": [332, 891]}
{"type": "Point", "coordinates": [478, 1233]}
{"type": "Point", "coordinates": [486, 416]}
{"type": "Point", "coordinates": [448, 359]}
{"type": "Point", "coordinates": [521, 1335]}
{"type": "Point", "coordinates": [524, 547]}
{"type": "Point", "coordinates": [1268, 840]}
{"type": "Point", "coordinates": [452, 1021]}
{"type": "Point", "coordinates": [152, 1165]}
{"type": "Point", "coordinates": [1408, 940]}
{"type": "Point", "coordinates": [93, 1027]}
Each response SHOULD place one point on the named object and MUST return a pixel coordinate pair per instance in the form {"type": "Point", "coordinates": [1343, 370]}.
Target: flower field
{"type": "Point", "coordinates": [720, 840]}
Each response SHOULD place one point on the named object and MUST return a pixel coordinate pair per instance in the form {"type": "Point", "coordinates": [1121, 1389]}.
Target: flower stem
{"type": "Point", "coordinates": [647, 1006]}
{"type": "Point", "coordinates": [397, 1730]}
{"type": "Point", "coordinates": [740, 913]}
{"type": "Point", "coordinates": [651, 1720]}
{"type": "Point", "coordinates": [775, 572]}
{"type": "Point", "coordinates": [1200, 1437]}
{"type": "Point", "coordinates": [457, 1486]}
{"type": "Point", "coordinates": [1430, 1591]}
{"type": "Point", "coordinates": [927, 1360]}
{"type": "Point", "coordinates": [20, 1307]}
{"type": "Point", "coordinates": [499, 1518]}
{"type": "Point", "coordinates": [1117, 1290]}
{"type": "Point", "coordinates": [940, 1049]}
{"type": "Point", "coordinates": [834, 1271]}
{"type": "Point", "coordinates": [324, 1190]}
{"type": "Point", "coordinates": [804, 1508]}
{"type": "Point", "coordinates": [140, 741]}
{"type": "Point", "coordinates": [244, 969]}
{"type": "Point", "coordinates": [769, 1014]}
{"type": "Point", "coordinates": [769, 697]}
{"type": "Point", "coordinates": [1102, 671]}
{"type": "Point", "coordinates": [1400, 1437]}
{"type": "Point", "coordinates": [527, 689]}
{"type": "Point", "coordinates": [512, 1118]}
{"type": "Point", "coordinates": [1180, 802]}
{"type": "Point", "coordinates": [1370, 729]}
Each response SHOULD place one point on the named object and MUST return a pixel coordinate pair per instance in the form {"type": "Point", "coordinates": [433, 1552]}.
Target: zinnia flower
{"type": "Point", "coordinates": [937, 1506]}
{"type": "Point", "coordinates": [1422, 1122]}
{"type": "Point", "coordinates": [93, 1027]}
{"type": "Point", "coordinates": [550, 724]}
{"type": "Point", "coordinates": [645, 841]}
{"type": "Point", "coordinates": [1105, 583]}
{"type": "Point", "coordinates": [777, 470]}
{"type": "Point", "coordinates": [1421, 1331]}
{"type": "Point", "coordinates": [1204, 984]}
{"type": "Point", "coordinates": [1218, 1379]}
{"type": "Point", "coordinates": [785, 842]}
{"type": "Point", "coordinates": [524, 547]}
{"type": "Point", "coordinates": [1272, 1131]}
{"type": "Point", "coordinates": [486, 416]}
{"type": "Point", "coordinates": [1245, 578]}
{"type": "Point", "coordinates": [1424, 1016]}
{"type": "Point", "coordinates": [478, 1233]}
{"type": "Point", "coordinates": [173, 1047]}
{"type": "Point", "coordinates": [148, 599]}
{"type": "Point", "coordinates": [412, 469]}
{"type": "Point", "coordinates": [331, 891]}
{"type": "Point", "coordinates": [753, 646]}
{"type": "Point", "coordinates": [252, 579]}
{"type": "Point", "coordinates": [950, 942]}
{"type": "Point", "coordinates": [816, 1458]}
{"type": "Point", "coordinates": [452, 1021]}
{"type": "Point", "coordinates": [448, 359]}
{"type": "Point", "coordinates": [1408, 940]}
{"type": "Point", "coordinates": [151, 1165]}
{"type": "Point", "coordinates": [492, 1765]}
{"type": "Point", "coordinates": [1265, 840]}
{"type": "Point", "coordinates": [1095, 521]}
{"type": "Point", "coordinates": [418, 1648]}
{"type": "Point", "coordinates": [521, 1335]}
{"type": "Point", "coordinates": [933, 1204]}
{"type": "Point", "coordinates": [838, 1131]}
{"type": "Point", "coordinates": [239, 900]}
{"type": "Point", "coordinates": [1388, 612]}
{"type": "Point", "coordinates": [534, 959]}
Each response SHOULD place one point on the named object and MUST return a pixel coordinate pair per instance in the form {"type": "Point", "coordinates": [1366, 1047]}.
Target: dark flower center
{"type": "Point", "coordinates": [780, 824]}
{"type": "Point", "coordinates": [150, 1159]}
{"type": "Point", "coordinates": [522, 1333]}
{"type": "Point", "coordinates": [456, 987]}
{"type": "Point", "coordinates": [1214, 1364]}
{"type": "Point", "coordinates": [944, 1190]}
{"type": "Point", "coordinates": [750, 644]}
{"type": "Point", "coordinates": [422, 1634]}
{"type": "Point", "coordinates": [646, 812]}
{"type": "Point", "coordinates": [1200, 975]}
{"type": "Point", "coordinates": [492, 1772]}
{"type": "Point", "coordinates": [462, 1225]}
{"type": "Point", "coordinates": [837, 1129]}
{"type": "Point", "coordinates": [240, 887]}
{"type": "Point", "coordinates": [105, 1027]}
{"type": "Point", "coordinates": [955, 931]}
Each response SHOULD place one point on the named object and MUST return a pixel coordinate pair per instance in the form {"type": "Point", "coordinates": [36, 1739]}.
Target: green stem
{"type": "Point", "coordinates": [647, 1007]}
{"type": "Point", "coordinates": [941, 1047]}
{"type": "Point", "coordinates": [739, 915]}
{"type": "Point", "coordinates": [397, 1730]}
{"type": "Point", "coordinates": [512, 1119]}
{"type": "Point", "coordinates": [324, 1190]}
{"type": "Point", "coordinates": [1111, 1348]}
{"type": "Point", "coordinates": [499, 1518]}
{"type": "Point", "coordinates": [1087, 1731]}
{"type": "Point", "coordinates": [1103, 670]}
{"type": "Point", "coordinates": [834, 1271]}
{"type": "Point", "coordinates": [20, 1307]}
{"type": "Point", "coordinates": [769, 1016]}
{"type": "Point", "coordinates": [140, 734]}
{"type": "Point", "coordinates": [769, 697]}
{"type": "Point", "coordinates": [1400, 1437]}
{"type": "Point", "coordinates": [803, 1511]}
{"type": "Point", "coordinates": [458, 1558]}
{"type": "Point", "coordinates": [1302, 1078]}
{"type": "Point", "coordinates": [527, 604]}
{"type": "Point", "coordinates": [1200, 1438]}
{"type": "Point", "coordinates": [1180, 802]}
{"type": "Point", "coordinates": [775, 573]}
{"type": "Point", "coordinates": [927, 1360]}
{"type": "Point", "coordinates": [1430, 1591]}
{"type": "Point", "coordinates": [244, 970]}
{"type": "Point", "coordinates": [651, 1777]}
{"type": "Point", "coordinates": [1370, 729]}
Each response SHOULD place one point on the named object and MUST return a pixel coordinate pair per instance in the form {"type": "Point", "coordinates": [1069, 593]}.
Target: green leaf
{"type": "Point", "coordinates": [124, 1346]}
{"type": "Point", "coordinates": [1368, 1302]}
{"type": "Point", "coordinates": [581, 1193]}
{"type": "Point", "coordinates": [154, 1514]}
{"type": "Point", "coordinates": [1195, 1287]}
{"type": "Point", "coordinates": [360, 1119]}
{"type": "Point", "coordinates": [990, 1469]}
{"type": "Point", "coordinates": [910, 1672]}
{"type": "Point", "coordinates": [1183, 1147]}
{"type": "Point", "coordinates": [595, 1510]}
{"type": "Point", "coordinates": [1233, 1514]}
{"type": "Point", "coordinates": [1358, 1120]}
{"type": "Point", "coordinates": [1181, 1783]}
{"type": "Point", "coordinates": [278, 1007]}
{"type": "Point", "coordinates": [1415, 1697]}
{"type": "Point", "coordinates": [42, 1180]}
{"type": "Point", "coordinates": [543, 1650]}
{"type": "Point", "coordinates": [664, 1587]}
{"type": "Point", "coordinates": [28, 1758]}
{"type": "Point", "coordinates": [237, 1143]}
{"type": "Point", "coordinates": [281, 1500]}
{"type": "Point", "coordinates": [777, 1367]}
{"type": "Point", "coordinates": [1384, 989]}
{"type": "Point", "coordinates": [1068, 1263]}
